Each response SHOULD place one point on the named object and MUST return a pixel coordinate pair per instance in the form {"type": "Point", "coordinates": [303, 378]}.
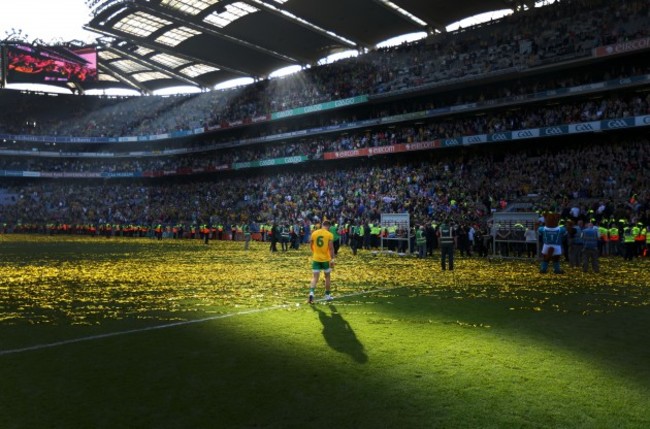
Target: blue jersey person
{"type": "Point", "coordinates": [551, 236]}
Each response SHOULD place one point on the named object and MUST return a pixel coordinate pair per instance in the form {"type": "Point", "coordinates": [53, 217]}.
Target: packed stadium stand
{"type": "Point", "coordinates": [547, 108]}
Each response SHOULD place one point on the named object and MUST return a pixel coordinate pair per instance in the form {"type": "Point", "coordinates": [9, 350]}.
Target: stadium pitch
{"type": "Point", "coordinates": [402, 345]}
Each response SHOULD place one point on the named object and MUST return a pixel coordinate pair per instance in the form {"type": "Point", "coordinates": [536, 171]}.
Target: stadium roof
{"type": "Point", "coordinates": [154, 44]}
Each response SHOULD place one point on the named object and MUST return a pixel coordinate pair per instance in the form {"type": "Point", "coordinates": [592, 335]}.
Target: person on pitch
{"type": "Point", "coordinates": [448, 243]}
{"type": "Point", "coordinates": [322, 248]}
{"type": "Point", "coordinates": [551, 235]}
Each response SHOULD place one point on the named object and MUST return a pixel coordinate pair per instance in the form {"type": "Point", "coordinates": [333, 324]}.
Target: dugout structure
{"type": "Point", "coordinates": [401, 223]}
{"type": "Point", "coordinates": [507, 233]}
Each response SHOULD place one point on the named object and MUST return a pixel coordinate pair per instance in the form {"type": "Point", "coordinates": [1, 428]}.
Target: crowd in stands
{"type": "Point", "coordinates": [612, 106]}
{"type": "Point", "coordinates": [488, 94]}
{"type": "Point", "coordinates": [466, 185]}
{"type": "Point", "coordinates": [568, 29]}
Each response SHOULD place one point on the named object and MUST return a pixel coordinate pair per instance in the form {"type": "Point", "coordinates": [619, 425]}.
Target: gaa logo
{"type": "Point", "coordinates": [617, 124]}
{"type": "Point", "coordinates": [584, 127]}
{"type": "Point", "coordinates": [552, 131]}
{"type": "Point", "coordinates": [526, 133]}
{"type": "Point", "coordinates": [499, 137]}
{"type": "Point", "coordinates": [451, 142]}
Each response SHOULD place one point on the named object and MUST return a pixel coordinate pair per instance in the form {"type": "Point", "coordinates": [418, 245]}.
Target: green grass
{"type": "Point", "coordinates": [494, 346]}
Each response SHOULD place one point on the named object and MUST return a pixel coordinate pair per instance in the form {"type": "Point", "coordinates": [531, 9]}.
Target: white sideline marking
{"type": "Point", "coordinates": [172, 325]}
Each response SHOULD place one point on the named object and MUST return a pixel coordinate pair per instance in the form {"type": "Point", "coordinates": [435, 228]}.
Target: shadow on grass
{"type": "Point", "coordinates": [616, 337]}
{"type": "Point", "coordinates": [211, 375]}
{"type": "Point", "coordinates": [339, 335]}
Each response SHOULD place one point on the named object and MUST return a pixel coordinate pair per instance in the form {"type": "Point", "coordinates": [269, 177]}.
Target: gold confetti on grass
{"type": "Point", "coordinates": [86, 280]}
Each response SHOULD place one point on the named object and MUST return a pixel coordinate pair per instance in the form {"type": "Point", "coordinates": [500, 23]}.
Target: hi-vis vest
{"type": "Point", "coordinates": [602, 232]}
{"type": "Point", "coordinates": [446, 234]}
{"type": "Point", "coordinates": [420, 238]}
{"type": "Point", "coordinates": [628, 236]}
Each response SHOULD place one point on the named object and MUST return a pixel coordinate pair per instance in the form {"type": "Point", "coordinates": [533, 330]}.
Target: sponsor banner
{"type": "Point", "coordinates": [51, 175]}
{"type": "Point", "coordinates": [623, 47]}
{"type": "Point", "coordinates": [120, 174]}
{"type": "Point", "coordinates": [382, 150]}
{"type": "Point", "coordinates": [554, 131]}
{"type": "Point", "coordinates": [31, 174]}
{"type": "Point", "coordinates": [499, 137]}
{"type": "Point", "coordinates": [85, 140]}
{"type": "Point", "coordinates": [104, 154]}
{"type": "Point", "coordinates": [222, 167]}
{"type": "Point", "coordinates": [262, 118]}
{"type": "Point", "coordinates": [463, 107]}
{"type": "Point", "coordinates": [283, 114]}
{"type": "Point", "coordinates": [586, 127]}
{"type": "Point", "coordinates": [641, 121]}
{"type": "Point", "coordinates": [266, 163]}
{"type": "Point", "coordinates": [319, 107]}
{"type": "Point", "coordinates": [174, 134]}
{"type": "Point", "coordinates": [525, 134]}
{"type": "Point", "coordinates": [403, 117]}
{"type": "Point", "coordinates": [295, 159]}
{"type": "Point", "coordinates": [73, 175]}
{"type": "Point", "coordinates": [345, 154]}
{"type": "Point", "coordinates": [589, 87]}
{"type": "Point", "coordinates": [276, 137]}
{"type": "Point", "coordinates": [451, 142]}
{"type": "Point", "coordinates": [408, 147]}
{"type": "Point", "coordinates": [613, 124]}
{"type": "Point", "coordinates": [349, 101]}
{"type": "Point", "coordinates": [25, 138]}
{"type": "Point", "coordinates": [240, 165]}
{"type": "Point", "coordinates": [128, 139]}
{"type": "Point", "coordinates": [480, 138]}
{"type": "Point", "coordinates": [437, 112]}
{"type": "Point", "coordinates": [270, 162]}
{"type": "Point", "coordinates": [175, 151]}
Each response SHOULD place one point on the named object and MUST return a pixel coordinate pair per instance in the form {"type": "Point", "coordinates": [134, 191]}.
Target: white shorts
{"type": "Point", "coordinates": [557, 249]}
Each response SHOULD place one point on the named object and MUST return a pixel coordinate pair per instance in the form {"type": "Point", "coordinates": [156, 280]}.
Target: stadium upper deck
{"type": "Point", "coordinates": [566, 35]}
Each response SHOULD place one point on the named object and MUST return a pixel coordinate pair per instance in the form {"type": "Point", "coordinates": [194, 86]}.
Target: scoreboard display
{"type": "Point", "coordinates": [50, 64]}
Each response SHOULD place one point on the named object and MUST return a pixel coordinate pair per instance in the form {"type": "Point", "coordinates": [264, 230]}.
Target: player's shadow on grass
{"type": "Point", "coordinates": [339, 335]}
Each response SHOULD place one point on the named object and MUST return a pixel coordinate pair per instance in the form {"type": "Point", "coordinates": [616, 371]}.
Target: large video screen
{"type": "Point", "coordinates": [51, 64]}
